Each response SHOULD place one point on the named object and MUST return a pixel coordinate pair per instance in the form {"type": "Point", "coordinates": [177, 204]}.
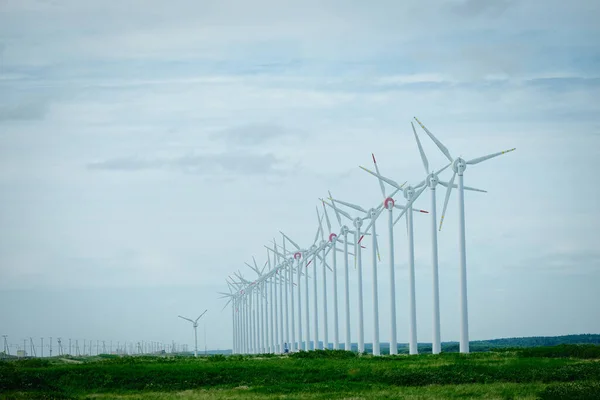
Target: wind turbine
{"type": "Point", "coordinates": [459, 166]}
{"type": "Point", "coordinates": [333, 239]}
{"type": "Point", "coordinates": [372, 214]}
{"type": "Point", "coordinates": [388, 204]}
{"type": "Point", "coordinates": [344, 230]}
{"type": "Point", "coordinates": [195, 325]}
{"type": "Point", "coordinates": [299, 257]}
{"type": "Point", "coordinates": [357, 221]}
{"type": "Point", "coordinates": [234, 299]}
{"type": "Point", "coordinates": [410, 195]}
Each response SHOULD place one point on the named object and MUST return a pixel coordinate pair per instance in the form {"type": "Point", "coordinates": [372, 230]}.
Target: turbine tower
{"type": "Point", "coordinates": [459, 166]}
{"type": "Point", "coordinates": [195, 325]}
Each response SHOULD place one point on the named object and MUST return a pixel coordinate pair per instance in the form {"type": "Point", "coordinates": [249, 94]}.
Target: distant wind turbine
{"type": "Point", "coordinates": [195, 325]}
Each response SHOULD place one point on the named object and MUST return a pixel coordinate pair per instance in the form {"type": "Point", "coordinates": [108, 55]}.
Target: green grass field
{"type": "Point", "coordinates": [561, 372]}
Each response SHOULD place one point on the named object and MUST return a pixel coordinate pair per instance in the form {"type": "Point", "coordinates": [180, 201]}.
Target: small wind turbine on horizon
{"type": "Point", "coordinates": [195, 325]}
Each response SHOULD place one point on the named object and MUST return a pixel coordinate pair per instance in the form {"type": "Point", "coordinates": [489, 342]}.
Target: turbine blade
{"type": "Point", "coordinates": [326, 216]}
{"type": "Point", "coordinates": [335, 209]}
{"type": "Point", "coordinates": [454, 186]}
{"type": "Point", "coordinates": [439, 144]}
{"type": "Point", "coordinates": [320, 223]}
{"type": "Point", "coordinates": [201, 315]}
{"type": "Point", "coordinates": [421, 211]}
{"type": "Point", "coordinates": [354, 206]}
{"type": "Point", "coordinates": [316, 234]}
{"type": "Point", "coordinates": [410, 203]}
{"type": "Point", "coordinates": [472, 189]}
{"type": "Point", "coordinates": [262, 271]}
{"type": "Point", "coordinates": [226, 304]}
{"type": "Point", "coordinates": [290, 240]}
{"type": "Point", "coordinates": [339, 210]}
{"type": "Point", "coordinates": [383, 178]}
{"type": "Point", "coordinates": [253, 268]}
{"type": "Point", "coordinates": [423, 156]}
{"type": "Point", "coordinates": [379, 179]}
{"type": "Point", "coordinates": [480, 159]}
{"type": "Point", "coordinates": [450, 184]}
{"type": "Point", "coordinates": [185, 318]}
{"type": "Point", "coordinates": [442, 169]}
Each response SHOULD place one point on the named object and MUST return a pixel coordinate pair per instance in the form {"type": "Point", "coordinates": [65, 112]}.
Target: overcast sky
{"type": "Point", "coordinates": [149, 148]}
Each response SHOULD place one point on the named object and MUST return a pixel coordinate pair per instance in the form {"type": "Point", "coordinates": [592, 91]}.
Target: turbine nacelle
{"type": "Point", "coordinates": [357, 222]}
{"type": "Point", "coordinates": [332, 237]}
{"type": "Point", "coordinates": [409, 192]}
{"type": "Point", "coordinates": [297, 255]}
{"type": "Point", "coordinates": [432, 180]}
{"type": "Point", "coordinates": [459, 165]}
{"type": "Point", "coordinates": [344, 230]}
{"type": "Point", "coordinates": [372, 213]}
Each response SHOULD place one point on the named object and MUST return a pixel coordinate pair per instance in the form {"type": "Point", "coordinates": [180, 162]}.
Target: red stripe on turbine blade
{"type": "Point", "coordinates": [361, 238]}
{"type": "Point", "coordinates": [373, 155]}
{"type": "Point", "coordinates": [363, 247]}
{"type": "Point", "coordinates": [423, 211]}
{"type": "Point", "coordinates": [308, 263]}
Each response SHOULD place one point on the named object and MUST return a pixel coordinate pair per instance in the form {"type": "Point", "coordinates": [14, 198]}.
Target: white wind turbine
{"type": "Point", "coordinates": [344, 231]}
{"type": "Point", "coordinates": [245, 290]}
{"type": "Point", "coordinates": [234, 299]}
{"type": "Point", "coordinates": [372, 214]}
{"type": "Point", "coordinates": [410, 195]}
{"type": "Point", "coordinates": [292, 343]}
{"type": "Point", "coordinates": [357, 221]}
{"type": "Point", "coordinates": [259, 308]}
{"type": "Point", "coordinates": [388, 204]}
{"type": "Point", "coordinates": [299, 257]}
{"type": "Point", "coordinates": [273, 306]}
{"type": "Point", "coordinates": [333, 239]}
{"type": "Point", "coordinates": [325, 247]}
{"type": "Point", "coordinates": [458, 166]}
{"type": "Point", "coordinates": [279, 270]}
{"type": "Point", "coordinates": [195, 325]}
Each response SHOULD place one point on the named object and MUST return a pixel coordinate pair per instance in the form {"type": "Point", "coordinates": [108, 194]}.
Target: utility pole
{"type": "Point", "coordinates": [42, 347]}
{"type": "Point", "coordinates": [50, 346]}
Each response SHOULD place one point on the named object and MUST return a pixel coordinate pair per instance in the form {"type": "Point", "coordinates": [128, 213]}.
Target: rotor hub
{"type": "Point", "coordinates": [345, 230]}
{"type": "Point", "coordinates": [357, 222]}
{"type": "Point", "coordinates": [297, 255]}
{"type": "Point", "coordinates": [432, 180]}
{"type": "Point", "coordinates": [389, 203]}
{"type": "Point", "coordinates": [409, 192]}
{"type": "Point", "coordinates": [332, 237]}
{"type": "Point", "coordinates": [459, 165]}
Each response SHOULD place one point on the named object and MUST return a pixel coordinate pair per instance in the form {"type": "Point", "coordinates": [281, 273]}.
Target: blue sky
{"type": "Point", "coordinates": [148, 149]}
